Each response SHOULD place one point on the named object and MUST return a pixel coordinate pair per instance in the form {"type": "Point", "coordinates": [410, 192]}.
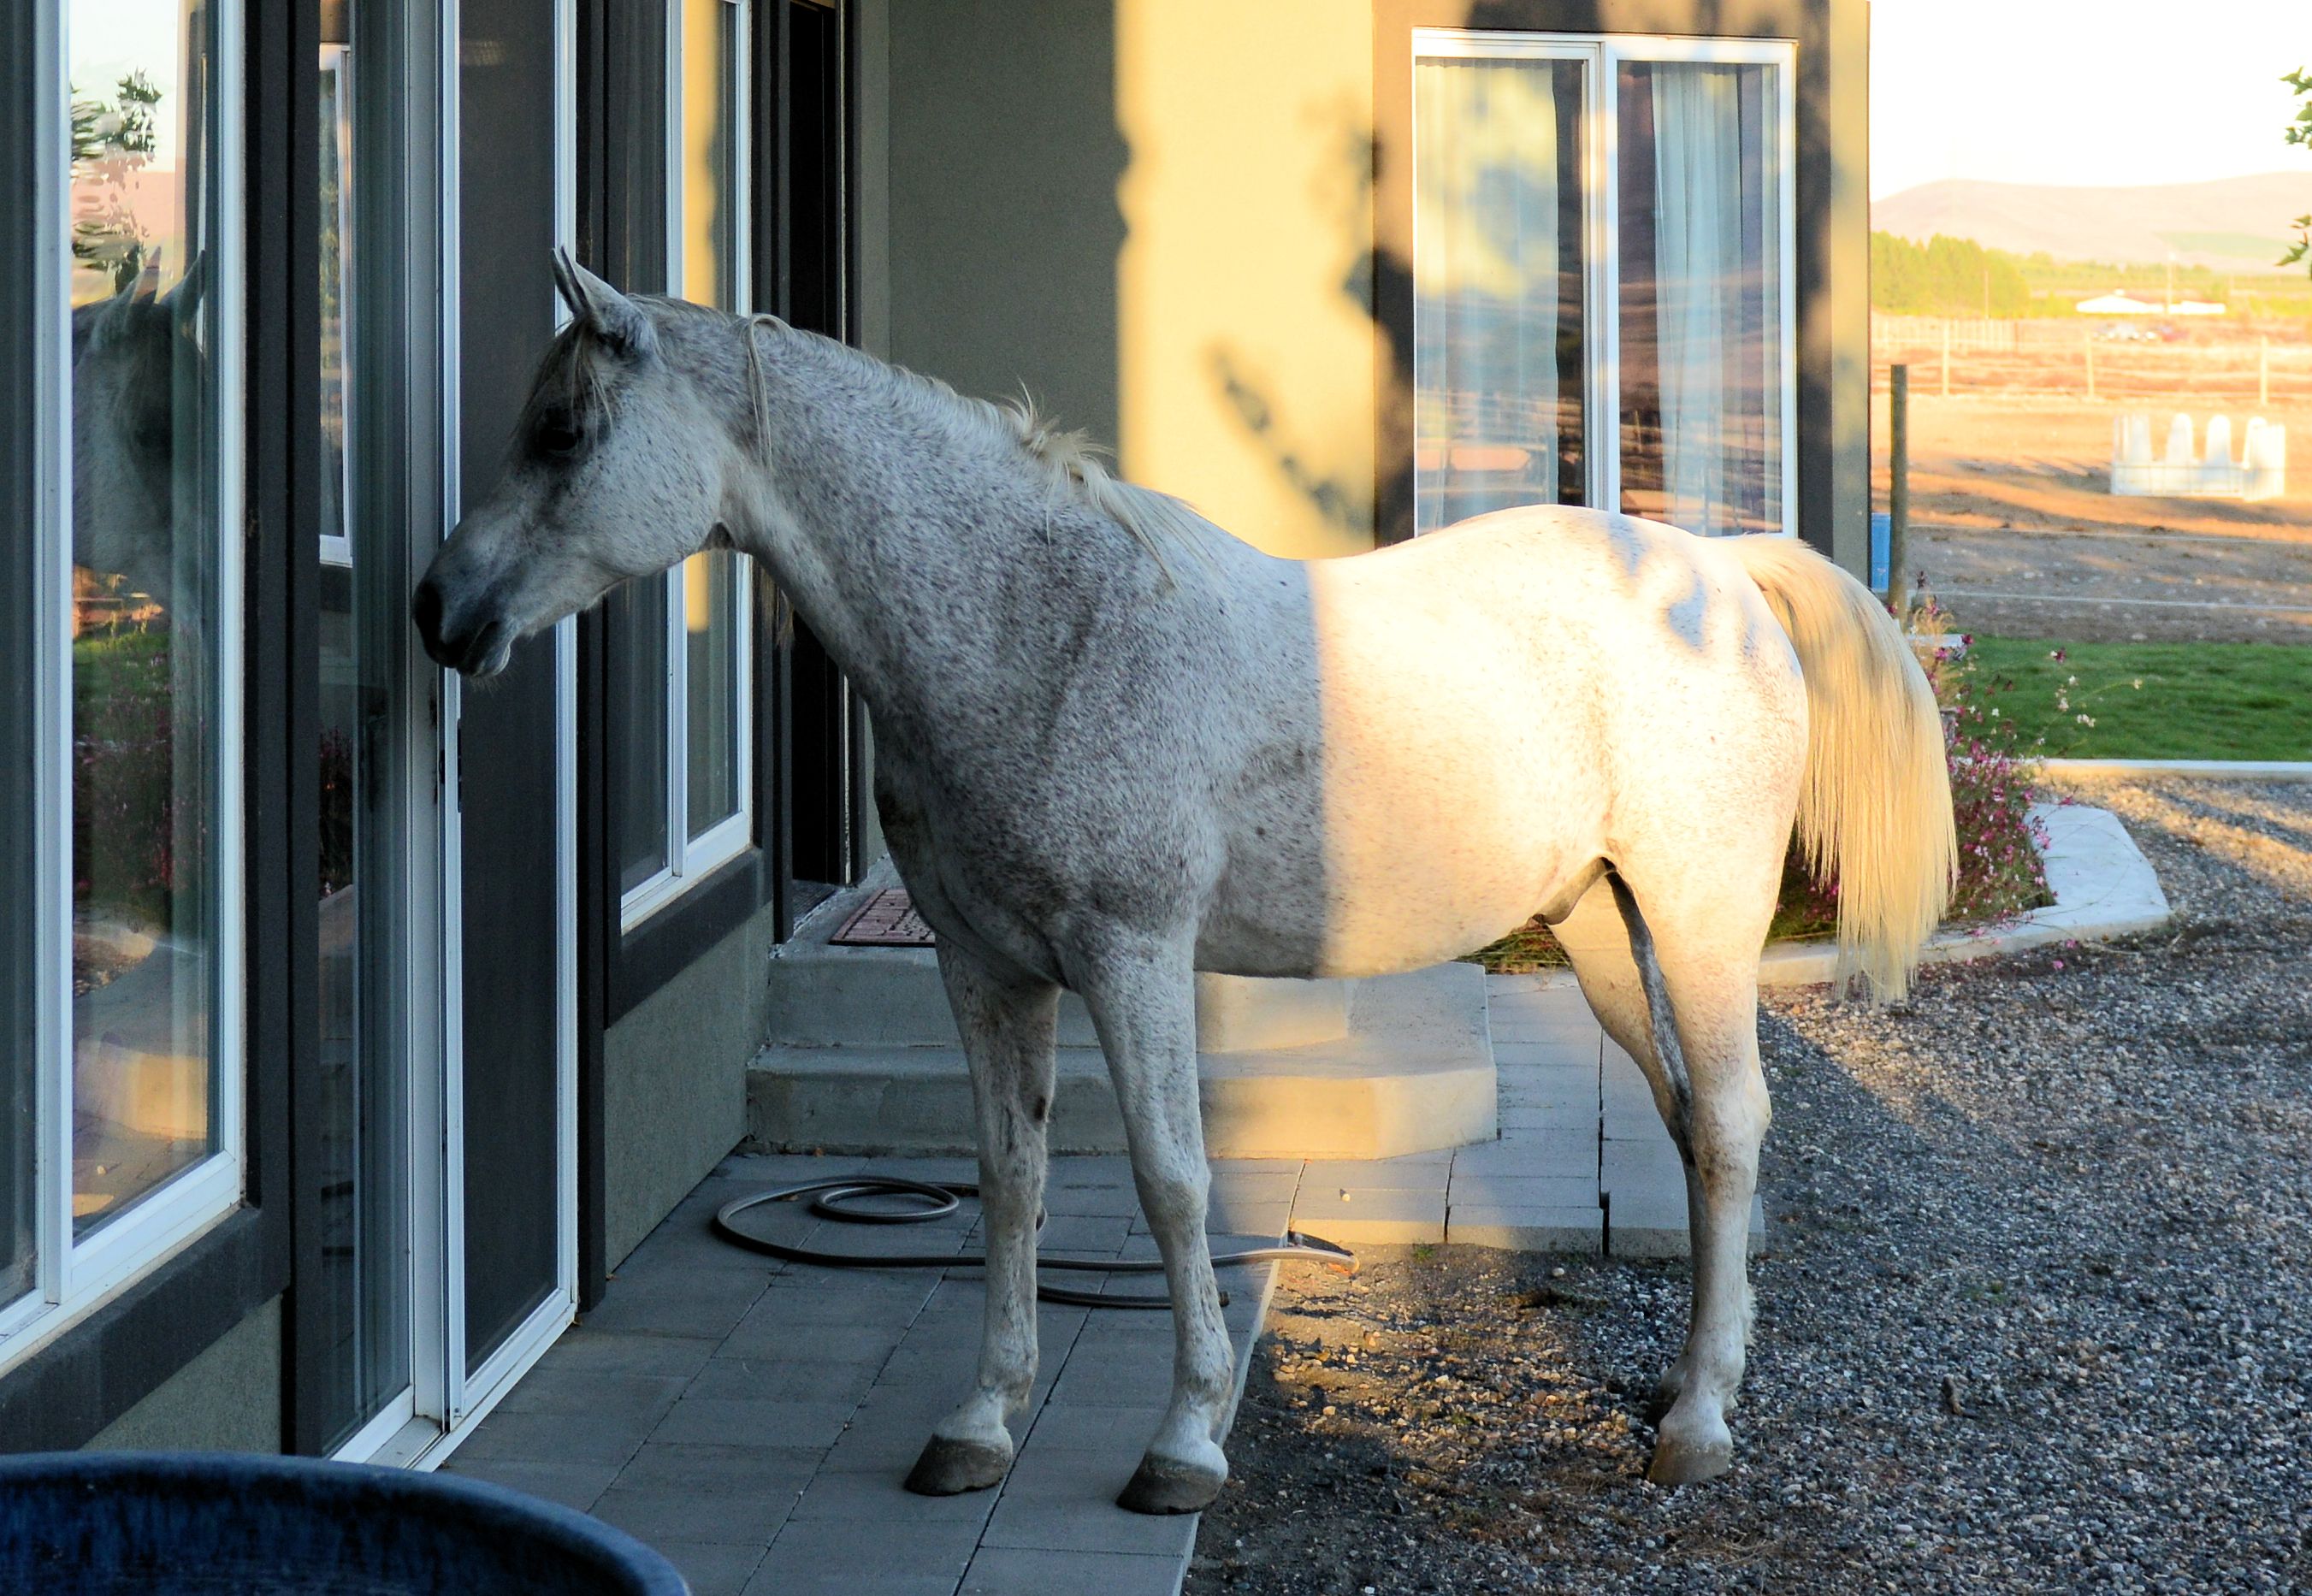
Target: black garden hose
{"type": "Point", "coordinates": [836, 1199]}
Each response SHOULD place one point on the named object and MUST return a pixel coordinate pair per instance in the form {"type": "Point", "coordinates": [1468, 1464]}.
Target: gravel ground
{"type": "Point", "coordinates": [2031, 1315]}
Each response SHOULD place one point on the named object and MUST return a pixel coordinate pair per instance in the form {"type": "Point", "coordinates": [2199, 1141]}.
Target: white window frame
{"type": "Point", "coordinates": [689, 859]}
{"type": "Point", "coordinates": [73, 1277]}
{"type": "Point", "coordinates": [1603, 55]}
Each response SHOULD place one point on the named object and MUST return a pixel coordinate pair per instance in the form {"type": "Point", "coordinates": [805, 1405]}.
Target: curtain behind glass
{"type": "Point", "coordinates": [145, 618]}
{"type": "Point", "coordinates": [1702, 354]}
{"type": "Point", "coordinates": [1498, 277]}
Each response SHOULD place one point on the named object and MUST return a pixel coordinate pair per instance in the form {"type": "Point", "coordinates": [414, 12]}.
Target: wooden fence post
{"type": "Point", "coordinates": [2088, 339]}
{"type": "Point", "coordinates": [1898, 486]}
{"type": "Point", "coordinates": [2263, 370]}
{"type": "Point", "coordinates": [1947, 349]}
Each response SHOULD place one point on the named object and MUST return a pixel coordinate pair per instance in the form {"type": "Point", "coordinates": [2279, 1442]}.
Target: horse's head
{"type": "Point", "coordinates": [128, 354]}
{"type": "Point", "coordinates": [623, 464]}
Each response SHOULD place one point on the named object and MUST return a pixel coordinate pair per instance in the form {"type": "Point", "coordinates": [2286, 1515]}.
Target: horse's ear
{"type": "Point", "coordinates": [116, 314]}
{"type": "Point", "coordinates": [184, 301]}
{"type": "Point", "coordinates": [617, 321]}
{"type": "Point", "coordinates": [565, 282]}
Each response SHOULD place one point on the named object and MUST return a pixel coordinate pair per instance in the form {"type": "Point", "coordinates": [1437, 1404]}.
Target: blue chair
{"type": "Point", "coordinates": [210, 1523]}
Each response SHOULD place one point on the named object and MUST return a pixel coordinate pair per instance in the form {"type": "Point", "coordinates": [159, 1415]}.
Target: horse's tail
{"type": "Point", "coordinates": [1874, 813]}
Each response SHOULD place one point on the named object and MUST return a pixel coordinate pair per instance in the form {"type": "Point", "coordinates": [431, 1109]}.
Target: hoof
{"type": "Point", "coordinates": [1164, 1485]}
{"type": "Point", "coordinates": [1682, 1463]}
{"type": "Point", "coordinates": [950, 1467]}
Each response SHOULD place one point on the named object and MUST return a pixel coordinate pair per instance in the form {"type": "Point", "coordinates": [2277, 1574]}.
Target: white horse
{"type": "Point", "coordinates": [1114, 746]}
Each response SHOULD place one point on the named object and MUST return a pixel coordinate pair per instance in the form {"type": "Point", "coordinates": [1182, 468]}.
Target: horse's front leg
{"type": "Point", "coordinates": [1142, 999]}
{"type": "Point", "coordinates": [1008, 1027]}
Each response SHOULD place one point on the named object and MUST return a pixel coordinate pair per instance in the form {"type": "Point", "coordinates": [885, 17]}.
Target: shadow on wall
{"type": "Point", "coordinates": [1295, 452]}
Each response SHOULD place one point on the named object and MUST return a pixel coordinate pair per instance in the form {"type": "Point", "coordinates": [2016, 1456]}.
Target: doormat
{"type": "Point", "coordinates": [887, 920]}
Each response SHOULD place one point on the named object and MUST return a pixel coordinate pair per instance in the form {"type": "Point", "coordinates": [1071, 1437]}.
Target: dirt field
{"type": "Point", "coordinates": [2014, 527]}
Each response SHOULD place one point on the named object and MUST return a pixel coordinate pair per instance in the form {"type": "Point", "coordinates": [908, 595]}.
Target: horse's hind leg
{"type": "Point", "coordinates": [1008, 1034]}
{"type": "Point", "coordinates": [1678, 987]}
{"type": "Point", "coordinates": [1143, 1000]}
{"type": "Point", "coordinates": [1597, 939]}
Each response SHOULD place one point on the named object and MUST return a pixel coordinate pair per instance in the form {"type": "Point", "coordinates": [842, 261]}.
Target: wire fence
{"type": "Point", "coordinates": [2093, 359]}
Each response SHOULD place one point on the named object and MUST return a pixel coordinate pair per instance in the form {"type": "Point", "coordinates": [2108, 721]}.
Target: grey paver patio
{"type": "Point", "coordinates": [753, 1419]}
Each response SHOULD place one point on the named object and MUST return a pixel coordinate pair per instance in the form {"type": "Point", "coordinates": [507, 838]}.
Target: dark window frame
{"type": "Point", "coordinates": [1809, 22]}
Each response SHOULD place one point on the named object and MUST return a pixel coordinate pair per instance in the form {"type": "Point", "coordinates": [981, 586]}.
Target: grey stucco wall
{"type": "Point", "coordinates": [674, 1083]}
{"type": "Point", "coordinates": [1002, 162]}
{"type": "Point", "coordinates": [227, 1399]}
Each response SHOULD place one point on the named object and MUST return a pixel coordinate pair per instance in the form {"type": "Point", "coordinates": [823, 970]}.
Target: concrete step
{"type": "Point", "coordinates": [1413, 1074]}
{"type": "Point", "coordinates": [823, 995]}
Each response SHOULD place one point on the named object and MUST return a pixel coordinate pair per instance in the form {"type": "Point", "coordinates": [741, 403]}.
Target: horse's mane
{"type": "Point", "coordinates": [1065, 463]}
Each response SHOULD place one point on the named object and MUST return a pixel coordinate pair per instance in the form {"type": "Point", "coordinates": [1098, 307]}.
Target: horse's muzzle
{"type": "Point", "coordinates": [474, 650]}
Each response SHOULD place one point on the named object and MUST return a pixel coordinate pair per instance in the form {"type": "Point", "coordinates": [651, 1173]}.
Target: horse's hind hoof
{"type": "Point", "coordinates": [950, 1467]}
{"type": "Point", "coordinates": [1166, 1485]}
{"type": "Point", "coordinates": [1684, 1463]}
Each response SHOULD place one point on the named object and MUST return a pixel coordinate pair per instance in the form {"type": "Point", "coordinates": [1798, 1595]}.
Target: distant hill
{"type": "Point", "coordinates": [2232, 225]}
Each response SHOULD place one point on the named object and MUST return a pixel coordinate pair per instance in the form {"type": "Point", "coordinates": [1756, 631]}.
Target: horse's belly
{"type": "Point", "coordinates": [1419, 871]}
{"type": "Point", "coordinates": [1462, 779]}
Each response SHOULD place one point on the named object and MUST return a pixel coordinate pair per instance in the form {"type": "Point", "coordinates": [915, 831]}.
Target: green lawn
{"type": "Point", "coordinates": [2196, 700]}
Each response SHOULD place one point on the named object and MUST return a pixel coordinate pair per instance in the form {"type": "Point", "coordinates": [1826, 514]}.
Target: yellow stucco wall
{"type": "Point", "coordinates": [1245, 343]}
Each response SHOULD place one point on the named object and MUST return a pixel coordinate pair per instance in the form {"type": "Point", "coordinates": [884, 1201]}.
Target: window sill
{"type": "Point", "coordinates": [675, 935]}
{"type": "Point", "coordinates": [99, 1368]}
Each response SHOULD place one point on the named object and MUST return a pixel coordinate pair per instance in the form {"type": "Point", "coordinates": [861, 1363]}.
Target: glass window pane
{"type": "Point", "coordinates": [1498, 273]}
{"type": "Point", "coordinates": [1703, 352]}
{"type": "Point", "coordinates": [637, 629]}
{"type": "Point", "coordinates": [145, 600]}
{"type": "Point", "coordinates": [24, 396]}
{"type": "Point", "coordinates": [710, 153]}
{"type": "Point", "coordinates": [712, 584]}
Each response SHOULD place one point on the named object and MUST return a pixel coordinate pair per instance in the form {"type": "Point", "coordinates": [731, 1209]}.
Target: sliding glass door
{"type": "Point", "coordinates": [1605, 306]}
{"type": "Point", "coordinates": [437, 1251]}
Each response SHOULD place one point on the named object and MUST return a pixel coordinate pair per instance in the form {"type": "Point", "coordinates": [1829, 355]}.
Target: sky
{"type": "Point", "coordinates": [2082, 92]}
{"type": "Point", "coordinates": [2097, 92]}
{"type": "Point", "coordinates": [107, 38]}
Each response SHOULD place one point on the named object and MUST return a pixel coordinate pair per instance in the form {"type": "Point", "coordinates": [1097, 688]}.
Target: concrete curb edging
{"type": "Point", "coordinates": [2102, 885]}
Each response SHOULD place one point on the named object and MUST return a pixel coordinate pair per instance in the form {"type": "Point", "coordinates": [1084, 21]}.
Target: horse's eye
{"type": "Point", "coordinates": [555, 435]}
